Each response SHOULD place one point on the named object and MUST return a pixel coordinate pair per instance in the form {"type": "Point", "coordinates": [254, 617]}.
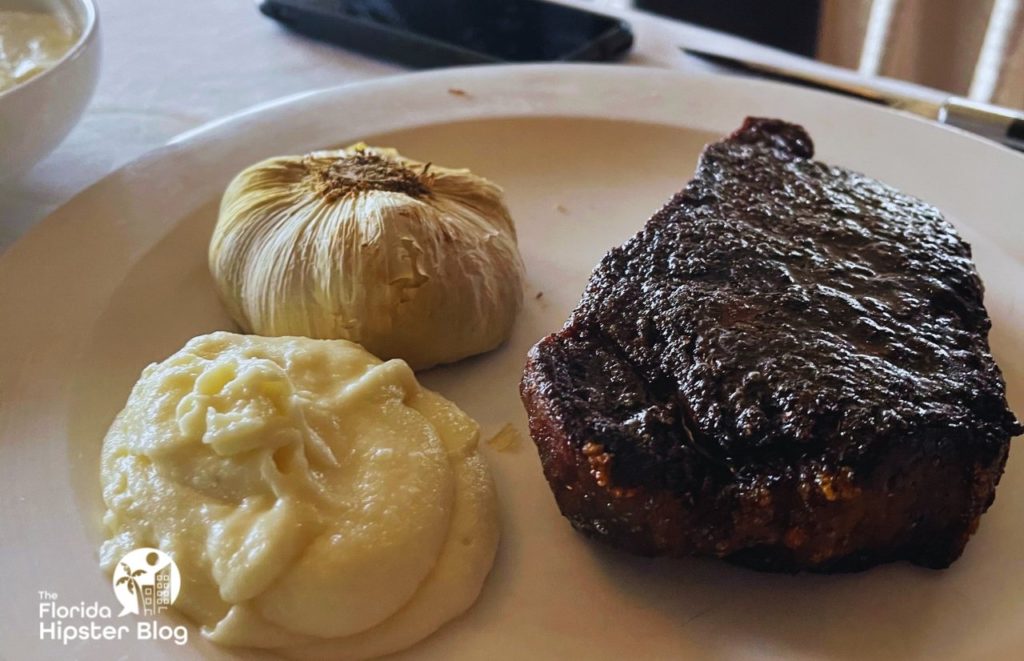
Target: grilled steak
{"type": "Point", "coordinates": [788, 366]}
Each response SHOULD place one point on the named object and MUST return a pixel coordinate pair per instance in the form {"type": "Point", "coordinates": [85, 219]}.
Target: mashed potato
{"type": "Point", "coordinates": [315, 499]}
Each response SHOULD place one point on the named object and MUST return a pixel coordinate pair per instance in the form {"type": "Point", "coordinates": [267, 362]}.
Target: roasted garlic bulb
{"type": "Point", "coordinates": [409, 259]}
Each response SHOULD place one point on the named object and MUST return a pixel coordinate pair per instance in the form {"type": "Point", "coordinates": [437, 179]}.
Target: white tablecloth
{"type": "Point", "coordinates": [172, 65]}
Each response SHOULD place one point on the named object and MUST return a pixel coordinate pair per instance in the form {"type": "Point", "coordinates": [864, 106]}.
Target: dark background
{"type": "Point", "coordinates": [788, 24]}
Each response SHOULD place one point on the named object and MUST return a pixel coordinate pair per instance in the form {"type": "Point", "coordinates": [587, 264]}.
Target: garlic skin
{"type": "Point", "coordinates": [409, 259]}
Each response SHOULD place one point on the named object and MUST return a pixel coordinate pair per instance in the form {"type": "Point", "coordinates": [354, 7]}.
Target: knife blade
{"type": "Point", "coordinates": [1002, 125]}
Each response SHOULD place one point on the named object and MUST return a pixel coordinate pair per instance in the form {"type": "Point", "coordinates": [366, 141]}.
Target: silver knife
{"type": "Point", "coordinates": [1002, 125]}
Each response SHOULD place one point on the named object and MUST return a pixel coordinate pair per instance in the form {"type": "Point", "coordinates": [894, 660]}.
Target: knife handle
{"type": "Point", "coordinates": [1003, 125]}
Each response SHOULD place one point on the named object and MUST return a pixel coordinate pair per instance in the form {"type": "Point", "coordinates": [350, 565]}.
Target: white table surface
{"type": "Point", "coordinates": [170, 66]}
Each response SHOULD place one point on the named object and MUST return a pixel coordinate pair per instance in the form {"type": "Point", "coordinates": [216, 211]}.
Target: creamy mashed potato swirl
{"type": "Point", "coordinates": [315, 499]}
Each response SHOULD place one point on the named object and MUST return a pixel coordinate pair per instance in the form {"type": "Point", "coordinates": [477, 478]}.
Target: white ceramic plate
{"type": "Point", "coordinates": [118, 278]}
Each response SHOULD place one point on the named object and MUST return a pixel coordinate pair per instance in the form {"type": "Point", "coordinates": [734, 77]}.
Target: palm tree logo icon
{"type": "Point", "coordinates": [146, 582]}
{"type": "Point", "coordinates": [133, 586]}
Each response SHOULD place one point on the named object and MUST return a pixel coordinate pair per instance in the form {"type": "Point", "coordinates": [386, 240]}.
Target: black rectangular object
{"type": "Point", "coordinates": [437, 33]}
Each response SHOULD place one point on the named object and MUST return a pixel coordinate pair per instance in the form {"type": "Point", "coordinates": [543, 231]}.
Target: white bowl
{"type": "Point", "coordinates": [37, 114]}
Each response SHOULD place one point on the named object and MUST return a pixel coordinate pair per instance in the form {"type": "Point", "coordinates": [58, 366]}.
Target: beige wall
{"type": "Point", "coordinates": [933, 42]}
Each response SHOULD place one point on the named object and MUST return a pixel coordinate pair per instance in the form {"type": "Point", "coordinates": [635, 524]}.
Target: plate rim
{"type": "Point", "coordinates": [191, 138]}
{"type": "Point", "coordinates": [22, 255]}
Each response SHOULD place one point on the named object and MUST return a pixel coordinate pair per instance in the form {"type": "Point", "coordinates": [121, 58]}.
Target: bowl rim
{"type": "Point", "coordinates": [88, 28]}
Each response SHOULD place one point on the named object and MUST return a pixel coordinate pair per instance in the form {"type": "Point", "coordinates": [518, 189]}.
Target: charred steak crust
{"type": "Point", "coordinates": [788, 366]}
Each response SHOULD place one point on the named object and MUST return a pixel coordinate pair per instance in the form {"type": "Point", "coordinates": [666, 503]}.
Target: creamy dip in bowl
{"type": "Point", "coordinates": [30, 43]}
{"type": "Point", "coordinates": [49, 65]}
